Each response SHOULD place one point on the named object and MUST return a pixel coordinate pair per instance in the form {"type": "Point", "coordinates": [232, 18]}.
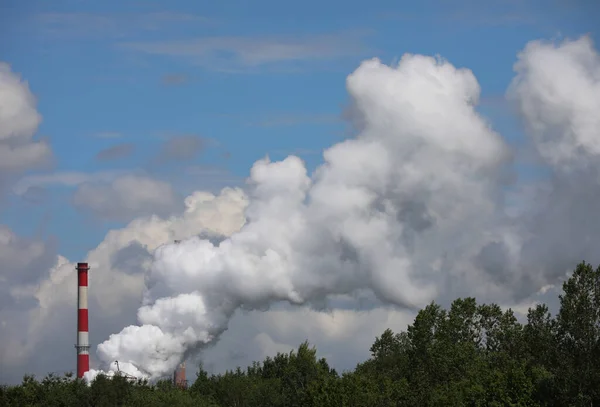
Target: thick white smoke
{"type": "Point", "coordinates": [412, 209]}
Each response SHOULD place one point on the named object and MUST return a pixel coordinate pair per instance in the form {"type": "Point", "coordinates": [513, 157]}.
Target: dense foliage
{"type": "Point", "coordinates": [470, 355]}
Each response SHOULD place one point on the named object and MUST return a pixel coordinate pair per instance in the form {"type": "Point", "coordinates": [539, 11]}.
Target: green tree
{"type": "Point", "coordinates": [578, 335]}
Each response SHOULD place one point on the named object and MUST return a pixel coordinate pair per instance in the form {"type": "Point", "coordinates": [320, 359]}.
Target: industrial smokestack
{"type": "Point", "coordinates": [83, 343]}
{"type": "Point", "coordinates": [179, 378]}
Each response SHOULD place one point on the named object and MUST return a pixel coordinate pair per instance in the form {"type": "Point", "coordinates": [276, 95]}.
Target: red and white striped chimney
{"type": "Point", "coordinates": [83, 343]}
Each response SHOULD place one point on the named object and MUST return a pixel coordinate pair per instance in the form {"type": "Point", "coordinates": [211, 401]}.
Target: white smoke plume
{"type": "Point", "coordinates": [413, 209]}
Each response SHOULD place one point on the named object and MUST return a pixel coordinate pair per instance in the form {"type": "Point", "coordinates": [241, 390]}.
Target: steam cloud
{"type": "Point", "coordinates": [420, 206]}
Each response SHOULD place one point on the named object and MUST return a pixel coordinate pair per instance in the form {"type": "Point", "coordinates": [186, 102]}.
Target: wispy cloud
{"type": "Point", "coordinates": [116, 152]}
{"type": "Point", "coordinates": [126, 197]}
{"type": "Point", "coordinates": [231, 53]}
{"type": "Point", "coordinates": [398, 16]}
{"type": "Point", "coordinates": [473, 13]}
{"type": "Point", "coordinates": [495, 13]}
{"type": "Point", "coordinates": [108, 134]}
{"type": "Point", "coordinates": [210, 177]}
{"type": "Point", "coordinates": [491, 19]}
{"type": "Point", "coordinates": [62, 178]}
{"type": "Point", "coordinates": [76, 25]}
{"type": "Point", "coordinates": [174, 79]}
{"type": "Point", "coordinates": [180, 148]}
{"type": "Point", "coordinates": [298, 152]}
{"type": "Point", "coordinates": [295, 119]}
{"type": "Point", "coordinates": [36, 195]}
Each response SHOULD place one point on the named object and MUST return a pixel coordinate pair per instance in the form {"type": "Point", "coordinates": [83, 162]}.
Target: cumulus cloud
{"type": "Point", "coordinates": [19, 121]}
{"type": "Point", "coordinates": [126, 197]}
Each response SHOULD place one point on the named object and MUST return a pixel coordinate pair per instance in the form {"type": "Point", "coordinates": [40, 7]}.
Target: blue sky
{"type": "Point", "coordinates": [250, 78]}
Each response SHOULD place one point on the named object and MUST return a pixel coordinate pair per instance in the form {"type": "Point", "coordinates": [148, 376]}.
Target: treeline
{"type": "Point", "coordinates": [469, 355]}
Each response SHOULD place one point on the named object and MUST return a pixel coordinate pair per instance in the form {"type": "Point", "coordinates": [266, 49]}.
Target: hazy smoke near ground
{"type": "Point", "coordinates": [415, 208]}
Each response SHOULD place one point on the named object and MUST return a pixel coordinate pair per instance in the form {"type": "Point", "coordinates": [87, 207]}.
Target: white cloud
{"type": "Point", "coordinates": [19, 121]}
{"type": "Point", "coordinates": [18, 113]}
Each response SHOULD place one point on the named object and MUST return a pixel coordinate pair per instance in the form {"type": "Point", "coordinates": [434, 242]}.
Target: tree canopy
{"type": "Point", "coordinates": [469, 355]}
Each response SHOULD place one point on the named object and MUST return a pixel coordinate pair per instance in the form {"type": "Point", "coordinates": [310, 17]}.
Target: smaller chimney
{"type": "Point", "coordinates": [179, 379]}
